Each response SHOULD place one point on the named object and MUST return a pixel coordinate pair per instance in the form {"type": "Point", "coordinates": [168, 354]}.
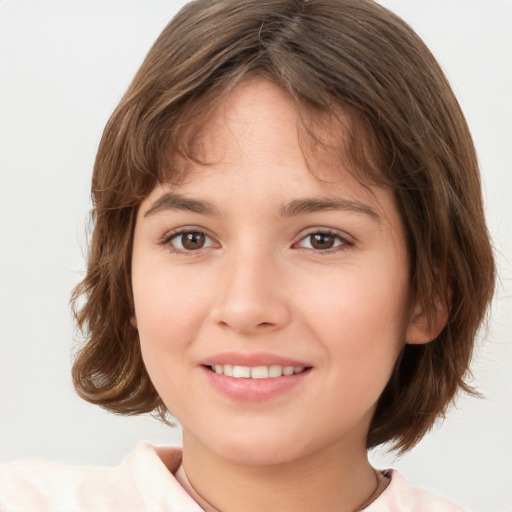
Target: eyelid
{"type": "Point", "coordinates": [347, 240]}
{"type": "Point", "coordinates": [166, 239]}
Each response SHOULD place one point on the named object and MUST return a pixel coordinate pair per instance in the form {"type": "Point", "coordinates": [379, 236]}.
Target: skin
{"type": "Point", "coordinates": [258, 285]}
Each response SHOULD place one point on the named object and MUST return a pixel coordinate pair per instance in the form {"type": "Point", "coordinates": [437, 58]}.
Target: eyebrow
{"type": "Point", "coordinates": [176, 201]}
{"type": "Point", "coordinates": [311, 205]}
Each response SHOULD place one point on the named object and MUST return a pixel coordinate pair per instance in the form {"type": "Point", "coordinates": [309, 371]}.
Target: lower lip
{"type": "Point", "coordinates": [253, 389]}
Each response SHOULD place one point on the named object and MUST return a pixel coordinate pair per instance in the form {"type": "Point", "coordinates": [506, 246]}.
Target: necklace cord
{"type": "Point", "coordinates": [381, 480]}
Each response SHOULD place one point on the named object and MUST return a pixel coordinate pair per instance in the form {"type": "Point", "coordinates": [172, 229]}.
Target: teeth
{"type": "Point", "coordinates": [275, 370]}
{"type": "Point", "coordinates": [288, 370]}
{"type": "Point", "coordinates": [255, 372]}
{"type": "Point", "coordinates": [259, 372]}
{"type": "Point", "coordinates": [241, 372]}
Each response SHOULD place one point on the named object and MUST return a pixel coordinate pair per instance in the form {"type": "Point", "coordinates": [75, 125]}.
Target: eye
{"type": "Point", "coordinates": [325, 241]}
{"type": "Point", "coordinates": [188, 241]}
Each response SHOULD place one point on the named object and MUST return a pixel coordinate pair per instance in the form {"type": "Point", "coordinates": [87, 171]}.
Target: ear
{"type": "Point", "coordinates": [133, 321]}
{"type": "Point", "coordinates": [419, 330]}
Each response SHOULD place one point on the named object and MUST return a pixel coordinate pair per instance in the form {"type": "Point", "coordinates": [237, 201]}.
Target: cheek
{"type": "Point", "coordinates": [167, 319]}
{"type": "Point", "coordinates": [360, 302]}
{"type": "Point", "coordinates": [168, 299]}
{"type": "Point", "coordinates": [361, 320]}
{"type": "Point", "coordinates": [166, 328]}
{"type": "Point", "coordinates": [169, 312]}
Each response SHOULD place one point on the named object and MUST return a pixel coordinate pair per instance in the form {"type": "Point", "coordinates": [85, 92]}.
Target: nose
{"type": "Point", "coordinates": [251, 298]}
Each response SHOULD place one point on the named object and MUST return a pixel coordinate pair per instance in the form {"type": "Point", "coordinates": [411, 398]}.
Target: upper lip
{"type": "Point", "coordinates": [252, 359]}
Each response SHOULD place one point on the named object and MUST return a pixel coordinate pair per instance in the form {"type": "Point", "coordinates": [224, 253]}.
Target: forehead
{"type": "Point", "coordinates": [254, 148]}
{"type": "Point", "coordinates": [257, 121]}
{"type": "Point", "coordinates": [259, 118]}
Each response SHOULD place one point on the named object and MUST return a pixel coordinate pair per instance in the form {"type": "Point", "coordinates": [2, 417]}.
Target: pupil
{"type": "Point", "coordinates": [322, 241]}
{"type": "Point", "coordinates": [193, 240]}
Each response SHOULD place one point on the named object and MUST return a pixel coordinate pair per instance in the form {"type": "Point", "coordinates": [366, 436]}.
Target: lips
{"type": "Point", "coordinates": [253, 377]}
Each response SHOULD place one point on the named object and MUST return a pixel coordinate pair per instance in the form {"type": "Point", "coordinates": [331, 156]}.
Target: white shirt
{"type": "Point", "coordinates": [145, 482]}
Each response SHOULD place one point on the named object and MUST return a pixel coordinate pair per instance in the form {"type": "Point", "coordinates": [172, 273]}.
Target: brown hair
{"type": "Point", "coordinates": [407, 133]}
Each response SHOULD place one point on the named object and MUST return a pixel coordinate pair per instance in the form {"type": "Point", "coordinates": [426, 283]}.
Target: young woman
{"type": "Point", "coordinates": [289, 255]}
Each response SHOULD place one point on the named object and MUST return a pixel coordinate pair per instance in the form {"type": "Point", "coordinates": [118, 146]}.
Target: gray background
{"type": "Point", "coordinates": [63, 67]}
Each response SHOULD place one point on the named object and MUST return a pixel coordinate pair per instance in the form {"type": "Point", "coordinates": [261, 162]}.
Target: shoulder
{"type": "Point", "coordinates": [143, 481]}
{"type": "Point", "coordinates": [36, 485]}
{"type": "Point", "coordinates": [399, 496]}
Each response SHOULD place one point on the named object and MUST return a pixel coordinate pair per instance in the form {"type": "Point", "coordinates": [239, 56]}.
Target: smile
{"type": "Point", "coordinates": [254, 381]}
{"type": "Point", "coordinates": [256, 372]}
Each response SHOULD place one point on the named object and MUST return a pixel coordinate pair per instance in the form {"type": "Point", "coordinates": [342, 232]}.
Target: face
{"type": "Point", "coordinates": [271, 302]}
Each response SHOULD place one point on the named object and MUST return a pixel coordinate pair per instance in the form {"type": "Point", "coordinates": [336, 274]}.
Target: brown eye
{"type": "Point", "coordinates": [321, 241]}
{"type": "Point", "coordinates": [189, 241]}
{"type": "Point", "coordinates": [192, 241]}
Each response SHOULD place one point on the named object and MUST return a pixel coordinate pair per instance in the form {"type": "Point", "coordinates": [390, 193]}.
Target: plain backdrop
{"type": "Point", "coordinates": [63, 67]}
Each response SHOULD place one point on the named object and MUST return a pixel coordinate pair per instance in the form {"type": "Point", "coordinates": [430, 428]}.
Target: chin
{"type": "Point", "coordinates": [261, 448]}
{"type": "Point", "coordinates": [260, 455]}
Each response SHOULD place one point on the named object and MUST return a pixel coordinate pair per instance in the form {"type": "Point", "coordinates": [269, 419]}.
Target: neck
{"type": "Point", "coordinates": [338, 479]}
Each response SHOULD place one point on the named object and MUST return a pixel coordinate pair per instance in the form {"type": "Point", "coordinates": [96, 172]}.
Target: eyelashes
{"type": "Point", "coordinates": [190, 241]}
{"type": "Point", "coordinates": [193, 241]}
{"type": "Point", "coordinates": [187, 241]}
{"type": "Point", "coordinates": [323, 241]}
